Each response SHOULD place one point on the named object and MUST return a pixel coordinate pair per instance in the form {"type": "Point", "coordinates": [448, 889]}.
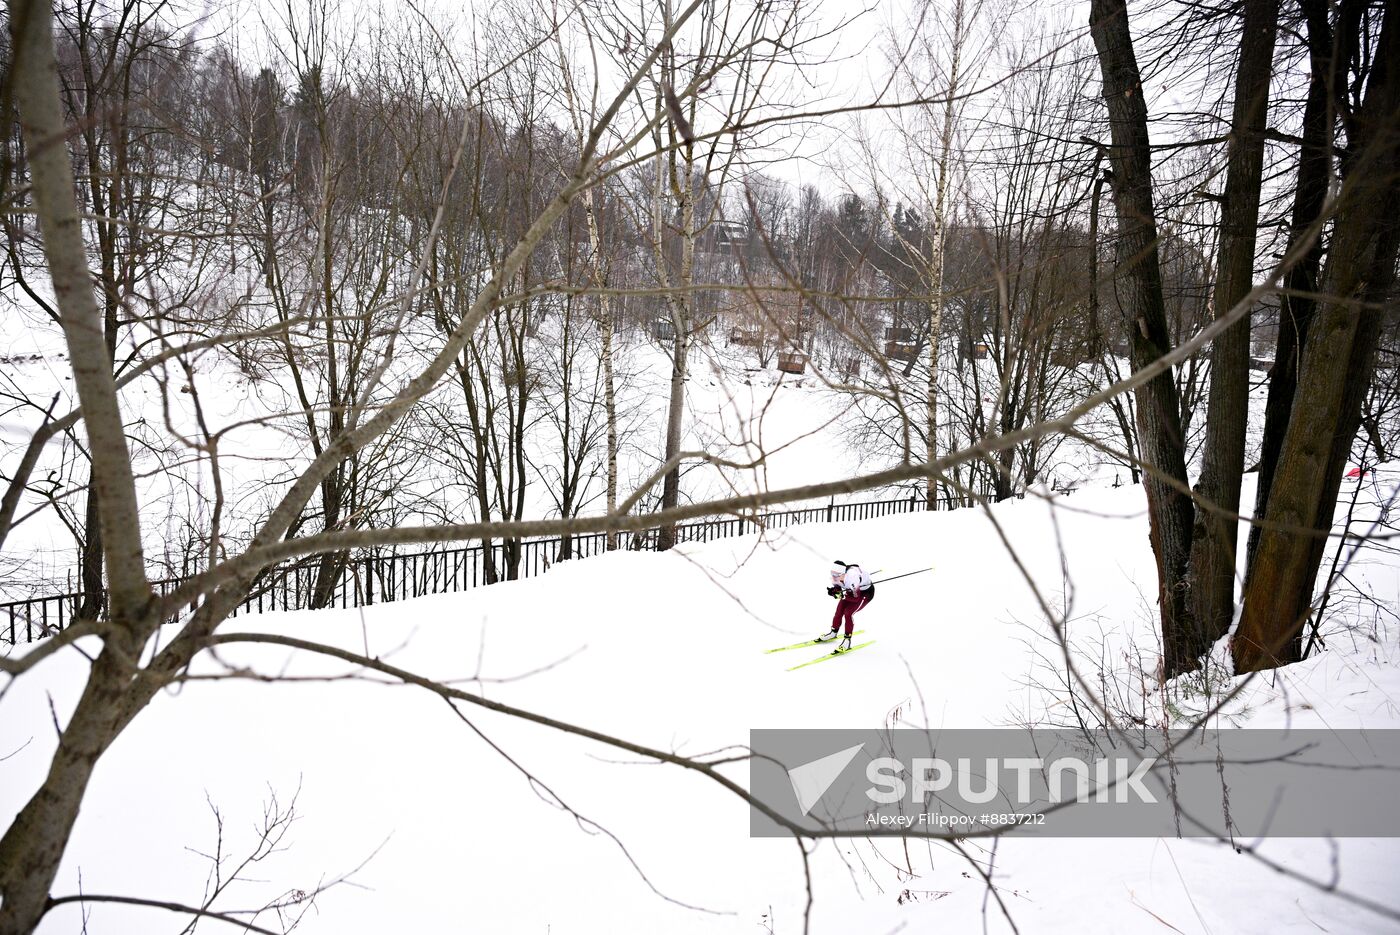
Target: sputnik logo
{"type": "Point", "coordinates": [811, 780]}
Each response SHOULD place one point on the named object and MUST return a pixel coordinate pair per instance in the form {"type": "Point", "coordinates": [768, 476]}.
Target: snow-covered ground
{"type": "Point", "coordinates": [443, 833]}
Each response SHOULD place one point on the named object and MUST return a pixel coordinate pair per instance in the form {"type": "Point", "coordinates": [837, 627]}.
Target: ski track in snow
{"type": "Point", "coordinates": [666, 650]}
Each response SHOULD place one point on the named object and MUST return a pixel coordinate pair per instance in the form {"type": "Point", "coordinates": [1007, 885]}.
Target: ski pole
{"type": "Point", "coordinates": [905, 575]}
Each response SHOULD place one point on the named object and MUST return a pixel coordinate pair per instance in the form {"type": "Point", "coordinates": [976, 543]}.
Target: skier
{"type": "Point", "coordinates": [853, 589]}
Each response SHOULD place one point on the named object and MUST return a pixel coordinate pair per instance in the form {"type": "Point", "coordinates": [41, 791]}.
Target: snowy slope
{"type": "Point", "coordinates": [665, 650]}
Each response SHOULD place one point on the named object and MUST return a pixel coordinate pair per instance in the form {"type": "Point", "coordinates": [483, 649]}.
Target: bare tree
{"type": "Point", "coordinates": [691, 170]}
{"type": "Point", "coordinates": [33, 845]}
{"type": "Point", "coordinates": [1338, 354]}
{"type": "Point", "coordinates": [1162, 445]}
{"type": "Point", "coordinates": [1212, 562]}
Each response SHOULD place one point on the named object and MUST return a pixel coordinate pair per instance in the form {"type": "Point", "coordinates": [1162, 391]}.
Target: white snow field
{"type": "Point", "coordinates": [444, 834]}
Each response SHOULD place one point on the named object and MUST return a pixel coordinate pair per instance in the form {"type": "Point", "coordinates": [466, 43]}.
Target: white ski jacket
{"type": "Point", "coordinates": [855, 580]}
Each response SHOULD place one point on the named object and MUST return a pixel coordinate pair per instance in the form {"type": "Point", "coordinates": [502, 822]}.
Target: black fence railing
{"type": "Point", "coordinates": [377, 575]}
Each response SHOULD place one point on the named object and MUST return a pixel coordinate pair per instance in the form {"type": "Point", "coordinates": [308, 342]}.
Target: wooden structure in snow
{"type": "Point", "coordinates": [898, 350]}
{"type": "Point", "coordinates": [794, 361]}
{"type": "Point", "coordinates": [746, 337]}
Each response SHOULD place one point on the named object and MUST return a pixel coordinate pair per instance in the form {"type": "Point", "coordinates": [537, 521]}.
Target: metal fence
{"type": "Point", "coordinates": [378, 575]}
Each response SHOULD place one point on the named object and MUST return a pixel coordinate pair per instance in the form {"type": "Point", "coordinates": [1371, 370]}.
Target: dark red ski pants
{"type": "Point", "coordinates": [846, 610]}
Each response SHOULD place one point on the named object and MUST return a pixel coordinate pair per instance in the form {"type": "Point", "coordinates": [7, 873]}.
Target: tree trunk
{"type": "Point", "coordinates": [605, 326]}
{"type": "Point", "coordinates": [1310, 193]}
{"type": "Point", "coordinates": [101, 131]}
{"type": "Point", "coordinates": [35, 90]}
{"type": "Point", "coordinates": [1096, 344]}
{"type": "Point", "coordinates": [671, 484]}
{"type": "Point", "coordinates": [682, 182]}
{"type": "Point", "coordinates": [1337, 362]}
{"type": "Point", "coordinates": [1216, 532]}
{"type": "Point", "coordinates": [1371, 425]}
{"type": "Point", "coordinates": [610, 408]}
{"type": "Point", "coordinates": [1169, 510]}
{"type": "Point", "coordinates": [1003, 487]}
{"type": "Point", "coordinates": [330, 565]}
{"type": "Point", "coordinates": [33, 846]}
{"type": "Point", "coordinates": [90, 558]}
{"type": "Point", "coordinates": [940, 220]}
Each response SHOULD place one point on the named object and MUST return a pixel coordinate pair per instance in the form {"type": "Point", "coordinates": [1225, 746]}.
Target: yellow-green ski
{"type": "Point", "coordinates": [782, 649]}
{"type": "Point", "coordinates": [830, 656]}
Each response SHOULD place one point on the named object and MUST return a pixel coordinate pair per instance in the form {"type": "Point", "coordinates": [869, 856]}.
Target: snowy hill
{"type": "Point", "coordinates": [444, 833]}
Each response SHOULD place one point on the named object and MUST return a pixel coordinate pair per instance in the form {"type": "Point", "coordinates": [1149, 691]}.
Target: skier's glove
{"type": "Point", "coordinates": [834, 591]}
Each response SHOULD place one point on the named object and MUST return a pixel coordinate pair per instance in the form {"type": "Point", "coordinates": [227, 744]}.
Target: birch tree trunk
{"type": "Point", "coordinates": [677, 169]}
{"type": "Point", "coordinates": [600, 269]}
{"type": "Point", "coordinates": [939, 246]}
